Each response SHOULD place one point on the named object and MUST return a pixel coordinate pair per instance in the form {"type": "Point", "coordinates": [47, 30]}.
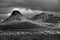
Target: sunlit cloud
{"type": "Point", "coordinates": [25, 10]}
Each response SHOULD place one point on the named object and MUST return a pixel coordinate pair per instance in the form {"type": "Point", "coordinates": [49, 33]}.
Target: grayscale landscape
{"type": "Point", "coordinates": [29, 20]}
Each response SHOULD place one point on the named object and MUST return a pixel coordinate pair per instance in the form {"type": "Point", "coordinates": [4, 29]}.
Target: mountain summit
{"type": "Point", "coordinates": [15, 13]}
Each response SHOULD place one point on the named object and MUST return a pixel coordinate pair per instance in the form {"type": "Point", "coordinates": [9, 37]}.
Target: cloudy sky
{"type": "Point", "coordinates": [47, 5]}
{"type": "Point", "coordinates": [34, 4]}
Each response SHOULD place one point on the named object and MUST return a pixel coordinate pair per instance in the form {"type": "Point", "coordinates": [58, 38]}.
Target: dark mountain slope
{"type": "Point", "coordinates": [38, 16]}
{"type": "Point", "coordinates": [19, 26]}
{"type": "Point", "coordinates": [15, 15]}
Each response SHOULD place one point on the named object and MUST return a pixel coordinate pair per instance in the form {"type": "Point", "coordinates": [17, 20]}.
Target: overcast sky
{"type": "Point", "coordinates": [37, 4]}
{"type": "Point", "coordinates": [33, 4]}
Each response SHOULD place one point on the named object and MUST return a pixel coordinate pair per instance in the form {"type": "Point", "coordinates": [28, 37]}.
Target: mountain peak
{"type": "Point", "coordinates": [15, 15]}
{"type": "Point", "coordinates": [15, 12]}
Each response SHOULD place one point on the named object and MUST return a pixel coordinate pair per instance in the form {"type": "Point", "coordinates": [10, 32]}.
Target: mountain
{"type": "Point", "coordinates": [14, 22]}
{"type": "Point", "coordinates": [16, 12]}
{"type": "Point", "coordinates": [39, 16]}
{"type": "Point", "coordinates": [15, 15]}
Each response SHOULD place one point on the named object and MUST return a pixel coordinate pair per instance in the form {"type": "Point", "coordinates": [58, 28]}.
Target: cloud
{"type": "Point", "coordinates": [34, 4]}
